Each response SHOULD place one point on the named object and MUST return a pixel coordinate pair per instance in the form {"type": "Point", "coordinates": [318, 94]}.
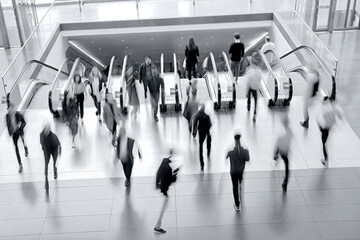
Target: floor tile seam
{"type": "Point", "coordinates": [243, 207]}
{"type": "Point", "coordinates": [76, 216]}
{"type": "Point", "coordinates": [206, 194]}
{"type": "Point", "coordinates": [47, 211]}
{"type": "Point", "coordinates": [328, 189]}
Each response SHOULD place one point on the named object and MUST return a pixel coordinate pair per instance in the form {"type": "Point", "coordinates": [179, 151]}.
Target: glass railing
{"type": "Point", "coordinates": [32, 74]}
{"type": "Point", "coordinates": [306, 56]}
{"type": "Point", "coordinates": [56, 93]}
{"type": "Point", "coordinates": [127, 62]}
{"type": "Point", "coordinates": [212, 78]}
{"type": "Point", "coordinates": [297, 27]}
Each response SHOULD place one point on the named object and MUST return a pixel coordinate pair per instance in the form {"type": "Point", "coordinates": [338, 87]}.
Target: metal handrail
{"type": "Point", "coordinates": [162, 63]}
{"type": "Point", "coordinates": [286, 73]}
{"type": "Point", "coordinates": [320, 61]}
{"type": "Point", "coordinates": [228, 66]}
{"type": "Point", "coordinates": [212, 58]}
{"type": "Point", "coordinates": [176, 76]}
{"type": "Point", "coordinates": [72, 72]}
{"type": "Point", "coordinates": [264, 59]}
{"type": "Point", "coordinates": [110, 77]}
{"type": "Point", "coordinates": [27, 40]}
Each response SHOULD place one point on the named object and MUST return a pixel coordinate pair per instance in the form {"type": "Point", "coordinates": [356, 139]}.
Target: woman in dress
{"type": "Point", "coordinates": [80, 95]}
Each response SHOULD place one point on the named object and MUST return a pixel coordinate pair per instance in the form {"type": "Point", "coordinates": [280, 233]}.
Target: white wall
{"type": "Point", "coordinates": [282, 45]}
{"type": "Point", "coordinates": [57, 53]}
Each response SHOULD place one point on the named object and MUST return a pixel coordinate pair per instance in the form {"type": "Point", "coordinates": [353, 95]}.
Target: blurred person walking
{"type": "Point", "coordinates": [191, 54]}
{"type": "Point", "coordinates": [192, 105]}
{"type": "Point", "coordinates": [154, 84]}
{"type": "Point", "coordinates": [165, 176]}
{"type": "Point", "coordinates": [236, 51]}
{"type": "Point", "coordinates": [238, 158]}
{"type": "Point", "coordinates": [202, 123]}
{"type": "Point", "coordinates": [15, 124]}
{"type": "Point", "coordinates": [132, 92]}
{"type": "Point", "coordinates": [253, 74]}
{"type": "Point", "coordinates": [71, 111]}
{"type": "Point", "coordinates": [95, 89]}
{"type": "Point", "coordinates": [111, 115]}
{"type": "Point", "coordinates": [329, 114]}
{"type": "Point", "coordinates": [80, 95]}
{"type": "Point", "coordinates": [125, 147]}
{"type": "Point", "coordinates": [313, 81]}
{"type": "Point", "coordinates": [145, 73]}
{"type": "Point", "coordinates": [51, 147]}
{"type": "Point", "coordinates": [282, 148]}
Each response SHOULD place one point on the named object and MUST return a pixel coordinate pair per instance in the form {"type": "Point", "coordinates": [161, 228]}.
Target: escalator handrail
{"type": "Point", "coordinates": [176, 76]}
{"type": "Point", "coordinates": [228, 66]}
{"type": "Point", "coordinates": [162, 63]}
{"type": "Point", "coordinates": [66, 60]}
{"type": "Point", "coordinates": [26, 67]}
{"type": "Point", "coordinates": [310, 49]}
{"type": "Point", "coordinates": [285, 71]}
{"type": "Point", "coordinates": [72, 72]}
{"type": "Point", "coordinates": [110, 75]}
{"type": "Point", "coordinates": [212, 58]}
{"type": "Point", "coordinates": [123, 73]}
{"type": "Point", "coordinates": [264, 59]}
{"type": "Point", "coordinates": [323, 65]}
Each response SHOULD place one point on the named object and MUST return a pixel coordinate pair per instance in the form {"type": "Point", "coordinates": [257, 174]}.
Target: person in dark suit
{"type": "Point", "coordinates": [165, 176]}
{"type": "Point", "coordinates": [51, 147]}
{"type": "Point", "coordinates": [202, 123]}
{"type": "Point", "coordinates": [238, 157]}
{"type": "Point", "coordinates": [145, 73]}
{"type": "Point", "coordinates": [15, 124]}
{"type": "Point", "coordinates": [125, 147]}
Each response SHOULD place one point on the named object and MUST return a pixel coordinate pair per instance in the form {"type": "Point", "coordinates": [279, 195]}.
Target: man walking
{"type": "Point", "coordinates": [51, 147]}
{"type": "Point", "coordinates": [15, 124]}
{"type": "Point", "coordinates": [236, 52]}
{"type": "Point", "coordinates": [202, 123]}
{"type": "Point", "coordinates": [145, 73]}
{"type": "Point", "coordinates": [254, 77]}
{"type": "Point", "coordinates": [282, 148]}
{"type": "Point", "coordinates": [238, 157]}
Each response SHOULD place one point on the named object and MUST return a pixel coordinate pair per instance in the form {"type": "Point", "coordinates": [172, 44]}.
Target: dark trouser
{"type": "Point", "coordinates": [128, 166]}
{"type": "Point", "coordinates": [235, 66]}
{"type": "Point", "coordinates": [254, 94]}
{"type": "Point", "coordinates": [208, 145]}
{"type": "Point", "coordinates": [286, 161]}
{"type": "Point", "coordinates": [80, 101]}
{"type": "Point", "coordinates": [97, 103]}
{"type": "Point", "coordinates": [324, 137]}
{"type": "Point", "coordinates": [236, 183]}
{"type": "Point", "coordinates": [191, 69]}
{"type": "Point", "coordinates": [54, 154]}
{"type": "Point", "coordinates": [15, 138]}
{"type": "Point", "coordinates": [145, 89]}
{"type": "Point", "coordinates": [154, 100]}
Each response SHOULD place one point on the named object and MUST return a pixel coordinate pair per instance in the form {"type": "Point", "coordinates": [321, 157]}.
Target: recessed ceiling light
{"type": "Point", "coordinates": [126, 47]}
{"type": "Point", "coordinates": [152, 39]}
{"type": "Point", "coordinates": [99, 48]}
{"type": "Point", "coordinates": [92, 42]}
{"type": "Point", "coordinates": [212, 37]}
{"type": "Point", "coordinates": [182, 37]}
{"type": "Point", "coordinates": [207, 44]}
{"type": "Point", "coordinates": [122, 40]}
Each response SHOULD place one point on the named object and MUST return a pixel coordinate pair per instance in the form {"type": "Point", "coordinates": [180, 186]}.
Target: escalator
{"type": "Point", "coordinates": [32, 86]}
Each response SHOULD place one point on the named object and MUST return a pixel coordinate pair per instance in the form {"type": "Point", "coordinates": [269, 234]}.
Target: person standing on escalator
{"type": "Point", "coordinates": [236, 51]}
{"type": "Point", "coordinates": [191, 54]}
{"type": "Point", "coordinates": [80, 95]}
{"type": "Point", "coordinates": [269, 50]}
{"type": "Point", "coordinates": [15, 124]}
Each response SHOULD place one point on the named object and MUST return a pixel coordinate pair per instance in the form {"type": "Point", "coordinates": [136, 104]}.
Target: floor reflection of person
{"type": "Point", "coordinates": [282, 148]}
{"type": "Point", "coordinates": [238, 157]}
{"type": "Point", "coordinates": [51, 147]}
{"type": "Point", "coordinates": [165, 176]}
{"type": "Point", "coordinates": [125, 147]}
{"type": "Point", "coordinates": [15, 124]}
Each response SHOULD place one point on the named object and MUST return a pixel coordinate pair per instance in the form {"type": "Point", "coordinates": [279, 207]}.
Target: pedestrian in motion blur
{"type": "Point", "coordinates": [145, 73]}
{"type": "Point", "coordinates": [95, 89]}
{"type": "Point", "coordinates": [80, 95]}
{"type": "Point", "coordinates": [329, 114]}
{"type": "Point", "coordinates": [154, 83]}
{"type": "Point", "coordinates": [313, 81]}
{"type": "Point", "coordinates": [15, 124]}
{"type": "Point", "coordinates": [111, 115]}
{"type": "Point", "coordinates": [253, 75]}
{"type": "Point", "coordinates": [132, 92]}
{"type": "Point", "coordinates": [165, 176]}
{"type": "Point", "coordinates": [236, 51]}
{"type": "Point", "coordinates": [51, 147]}
{"type": "Point", "coordinates": [125, 147]}
{"type": "Point", "coordinates": [191, 54]}
{"type": "Point", "coordinates": [282, 148]}
{"type": "Point", "coordinates": [192, 105]}
{"type": "Point", "coordinates": [238, 157]}
{"type": "Point", "coordinates": [202, 123]}
{"type": "Point", "coordinates": [269, 50]}
{"type": "Point", "coordinates": [71, 111]}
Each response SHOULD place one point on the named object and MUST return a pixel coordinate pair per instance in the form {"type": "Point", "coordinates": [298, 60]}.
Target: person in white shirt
{"type": "Point", "coordinates": [329, 113]}
{"type": "Point", "coordinates": [253, 75]}
{"type": "Point", "coordinates": [269, 49]}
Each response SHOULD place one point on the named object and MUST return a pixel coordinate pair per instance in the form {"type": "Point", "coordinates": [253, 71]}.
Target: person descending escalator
{"type": "Point", "coordinates": [236, 51]}
{"type": "Point", "coordinates": [15, 124]}
{"type": "Point", "coordinates": [80, 95]}
{"type": "Point", "coordinates": [95, 89]}
{"type": "Point", "coordinates": [269, 49]}
{"type": "Point", "coordinates": [313, 81]}
{"type": "Point", "coordinates": [124, 151]}
{"type": "Point", "coordinates": [132, 92]}
{"type": "Point", "coordinates": [253, 75]}
{"type": "Point", "coordinates": [191, 54]}
{"type": "Point", "coordinates": [202, 123]}
{"type": "Point", "coordinates": [282, 148]}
